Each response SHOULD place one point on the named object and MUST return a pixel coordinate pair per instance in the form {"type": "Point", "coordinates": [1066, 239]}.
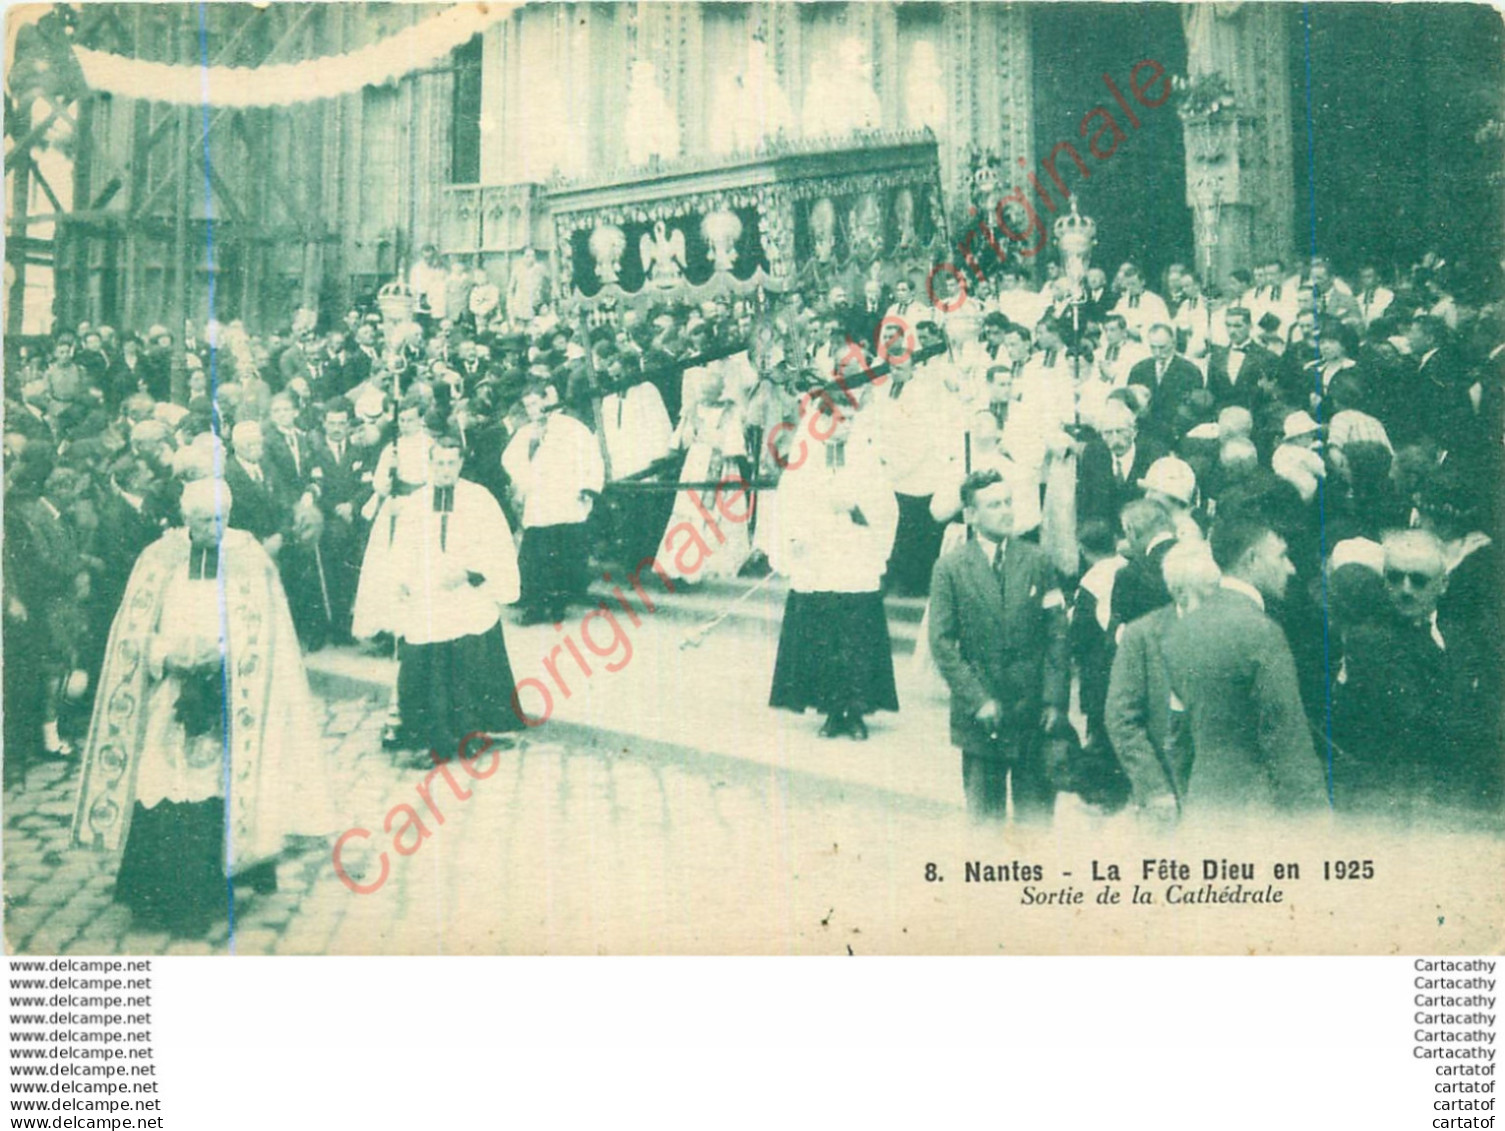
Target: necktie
{"type": "Point", "coordinates": [1159, 372]}
{"type": "Point", "coordinates": [1275, 293]}
{"type": "Point", "coordinates": [836, 456]}
{"type": "Point", "coordinates": [1018, 368]}
{"type": "Point", "coordinates": [1113, 352]}
{"type": "Point", "coordinates": [537, 441]}
{"type": "Point", "coordinates": [444, 504]}
{"type": "Point", "coordinates": [292, 445]}
{"type": "Point", "coordinates": [1050, 359]}
{"type": "Point", "coordinates": [1235, 364]}
{"type": "Point", "coordinates": [1133, 302]}
{"type": "Point", "coordinates": [998, 574]}
{"type": "Point", "coordinates": [1120, 468]}
{"type": "Point", "coordinates": [339, 453]}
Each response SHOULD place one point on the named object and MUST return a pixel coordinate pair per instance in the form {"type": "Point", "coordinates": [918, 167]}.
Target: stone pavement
{"type": "Point", "coordinates": [563, 848]}
{"type": "Point", "coordinates": [57, 898]}
{"type": "Point", "coordinates": [707, 703]}
{"type": "Point", "coordinates": [663, 809]}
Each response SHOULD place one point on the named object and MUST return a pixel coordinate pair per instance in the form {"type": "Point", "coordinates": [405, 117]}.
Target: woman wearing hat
{"type": "Point", "coordinates": [1334, 380]}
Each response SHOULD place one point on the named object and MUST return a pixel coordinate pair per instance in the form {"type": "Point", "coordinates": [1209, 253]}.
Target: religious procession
{"type": "Point", "coordinates": [1152, 524]}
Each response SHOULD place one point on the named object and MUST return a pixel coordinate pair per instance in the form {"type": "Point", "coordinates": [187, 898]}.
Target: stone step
{"type": "Point", "coordinates": [764, 610]}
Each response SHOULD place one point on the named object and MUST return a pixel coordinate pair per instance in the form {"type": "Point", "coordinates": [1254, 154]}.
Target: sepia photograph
{"type": "Point", "coordinates": [1059, 510]}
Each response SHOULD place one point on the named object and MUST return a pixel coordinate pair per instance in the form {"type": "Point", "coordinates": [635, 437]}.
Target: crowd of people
{"type": "Point", "coordinates": [1254, 526]}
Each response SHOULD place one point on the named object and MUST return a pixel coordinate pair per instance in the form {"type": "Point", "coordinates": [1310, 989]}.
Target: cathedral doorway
{"type": "Point", "coordinates": [1138, 198]}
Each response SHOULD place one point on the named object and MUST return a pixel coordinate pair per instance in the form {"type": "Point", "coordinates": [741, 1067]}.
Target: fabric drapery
{"type": "Point", "coordinates": [285, 84]}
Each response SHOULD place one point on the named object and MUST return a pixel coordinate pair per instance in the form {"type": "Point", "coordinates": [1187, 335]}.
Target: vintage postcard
{"type": "Point", "coordinates": [754, 478]}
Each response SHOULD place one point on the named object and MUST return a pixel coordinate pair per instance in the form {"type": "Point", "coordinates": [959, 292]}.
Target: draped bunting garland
{"type": "Point", "coordinates": [284, 84]}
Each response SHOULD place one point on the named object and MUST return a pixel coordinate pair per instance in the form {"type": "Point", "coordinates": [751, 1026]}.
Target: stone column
{"type": "Point", "coordinates": [1239, 181]}
{"type": "Point", "coordinates": [986, 53]}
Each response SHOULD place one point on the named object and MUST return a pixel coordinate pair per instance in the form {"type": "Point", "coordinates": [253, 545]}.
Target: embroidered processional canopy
{"type": "Point", "coordinates": [791, 215]}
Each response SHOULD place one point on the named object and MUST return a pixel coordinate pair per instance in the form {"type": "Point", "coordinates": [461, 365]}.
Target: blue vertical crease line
{"type": "Point", "coordinates": [218, 463]}
{"type": "Point", "coordinates": [1311, 188]}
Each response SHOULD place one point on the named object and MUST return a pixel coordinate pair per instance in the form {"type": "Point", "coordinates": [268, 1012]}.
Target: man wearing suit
{"type": "Point", "coordinates": [1372, 299]}
{"type": "Point", "coordinates": [287, 447]}
{"type": "Point", "coordinates": [1145, 723]}
{"type": "Point", "coordinates": [1170, 377]}
{"type": "Point", "coordinates": [1242, 372]}
{"type": "Point", "coordinates": [470, 365]}
{"type": "Point", "coordinates": [129, 521]}
{"type": "Point", "coordinates": [1231, 668]}
{"type": "Point", "coordinates": [1139, 587]}
{"type": "Point", "coordinates": [360, 359]}
{"type": "Point", "coordinates": [127, 373]}
{"type": "Point", "coordinates": [1437, 404]}
{"type": "Point", "coordinates": [998, 635]}
{"type": "Point", "coordinates": [1112, 466]}
{"type": "Point", "coordinates": [93, 360]}
{"type": "Point", "coordinates": [341, 474]}
{"type": "Point", "coordinates": [258, 499]}
{"type": "Point", "coordinates": [1097, 299]}
{"type": "Point", "coordinates": [31, 418]}
{"type": "Point", "coordinates": [1392, 720]}
{"type": "Point", "coordinates": [1331, 296]}
{"type": "Point", "coordinates": [156, 364]}
{"type": "Point", "coordinates": [297, 360]}
{"type": "Point", "coordinates": [864, 317]}
{"type": "Point", "coordinates": [48, 588]}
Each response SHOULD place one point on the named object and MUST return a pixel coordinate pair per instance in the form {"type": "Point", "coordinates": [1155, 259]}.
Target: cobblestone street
{"type": "Point", "coordinates": [561, 849]}
{"type": "Point", "coordinates": [57, 899]}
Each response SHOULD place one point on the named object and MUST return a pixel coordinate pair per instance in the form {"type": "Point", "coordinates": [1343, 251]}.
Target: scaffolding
{"type": "Point", "coordinates": [181, 214]}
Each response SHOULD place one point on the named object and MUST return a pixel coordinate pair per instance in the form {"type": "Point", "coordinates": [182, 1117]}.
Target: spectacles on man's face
{"type": "Point", "coordinates": [1400, 578]}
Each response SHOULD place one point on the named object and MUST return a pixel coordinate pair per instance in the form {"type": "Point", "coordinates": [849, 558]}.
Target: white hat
{"type": "Point", "coordinates": [1173, 477]}
{"type": "Point", "coordinates": [1358, 551]}
{"type": "Point", "coordinates": [371, 403]}
{"type": "Point", "coordinates": [1299, 424]}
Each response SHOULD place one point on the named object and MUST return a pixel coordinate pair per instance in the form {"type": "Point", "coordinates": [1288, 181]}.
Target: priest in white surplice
{"type": "Point", "coordinates": [457, 570]}
{"type": "Point", "coordinates": [555, 465]}
{"type": "Point", "coordinates": [204, 751]}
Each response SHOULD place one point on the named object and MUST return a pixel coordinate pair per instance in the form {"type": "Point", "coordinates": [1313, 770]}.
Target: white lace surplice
{"type": "Point", "coordinates": [174, 767]}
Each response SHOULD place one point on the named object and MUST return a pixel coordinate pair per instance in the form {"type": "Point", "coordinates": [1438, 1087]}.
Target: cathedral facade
{"type": "Point", "coordinates": [605, 92]}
